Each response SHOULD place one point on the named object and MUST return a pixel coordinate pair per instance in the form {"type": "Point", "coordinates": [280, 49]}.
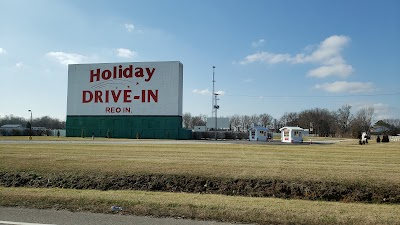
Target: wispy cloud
{"type": "Point", "coordinates": [258, 43]}
{"type": "Point", "coordinates": [129, 27]}
{"type": "Point", "coordinates": [206, 92]}
{"type": "Point", "coordinates": [220, 92]}
{"type": "Point", "coordinates": [3, 51]}
{"type": "Point", "coordinates": [341, 70]}
{"type": "Point", "coordinates": [346, 87]}
{"type": "Point", "coordinates": [328, 54]}
{"type": "Point", "coordinates": [202, 92]}
{"type": "Point", "coordinates": [125, 53]}
{"type": "Point", "coordinates": [66, 58]}
{"type": "Point", "coordinates": [19, 64]}
{"type": "Point", "coordinates": [266, 57]}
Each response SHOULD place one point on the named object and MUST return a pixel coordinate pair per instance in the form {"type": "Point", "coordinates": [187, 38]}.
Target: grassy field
{"type": "Point", "coordinates": [344, 162]}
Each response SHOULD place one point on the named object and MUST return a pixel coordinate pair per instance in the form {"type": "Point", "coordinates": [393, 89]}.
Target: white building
{"type": "Point", "coordinates": [292, 134]}
{"type": "Point", "coordinates": [199, 128]}
{"type": "Point", "coordinates": [222, 123]}
{"type": "Point", "coordinates": [8, 128]}
{"type": "Point", "coordinates": [258, 133]}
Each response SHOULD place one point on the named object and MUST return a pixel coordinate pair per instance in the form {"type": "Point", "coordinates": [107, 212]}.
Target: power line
{"type": "Point", "coordinates": [312, 96]}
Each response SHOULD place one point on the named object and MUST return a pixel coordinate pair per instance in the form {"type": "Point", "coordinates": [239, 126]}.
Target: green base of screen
{"type": "Point", "coordinates": [143, 127]}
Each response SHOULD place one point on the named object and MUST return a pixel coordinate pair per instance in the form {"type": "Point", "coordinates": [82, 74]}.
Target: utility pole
{"type": "Point", "coordinates": [216, 107]}
{"type": "Point", "coordinates": [30, 127]}
{"type": "Point", "coordinates": [212, 96]}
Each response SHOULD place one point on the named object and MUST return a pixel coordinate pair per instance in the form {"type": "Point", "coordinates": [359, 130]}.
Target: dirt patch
{"type": "Point", "coordinates": [308, 190]}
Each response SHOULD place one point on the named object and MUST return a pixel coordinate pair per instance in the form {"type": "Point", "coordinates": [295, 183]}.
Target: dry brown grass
{"type": "Point", "coordinates": [208, 207]}
{"type": "Point", "coordinates": [343, 162]}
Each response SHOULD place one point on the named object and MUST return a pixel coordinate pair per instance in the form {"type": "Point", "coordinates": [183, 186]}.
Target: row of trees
{"type": "Point", "coordinates": [321, 122]}
{"type": "Point", "coordinates": [45, 121]}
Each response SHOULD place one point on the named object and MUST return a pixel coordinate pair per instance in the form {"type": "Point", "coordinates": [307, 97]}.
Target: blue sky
{"type": "Point", "coordinates": [270, 56]}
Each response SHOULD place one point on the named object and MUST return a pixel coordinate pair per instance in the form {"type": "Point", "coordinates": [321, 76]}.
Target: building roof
{"type": "Point", "coordinates": [292, 128]}
{"type": "Point", "coordinates": [259, 128]}
{"type": "Point", "coordinates": [12, 126]}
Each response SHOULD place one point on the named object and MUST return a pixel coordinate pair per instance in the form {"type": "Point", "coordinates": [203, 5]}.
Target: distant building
{"type": "Point", "coordinates": [8, 129]}
{"type": "Point", "coordinates": [54, 132]}
{"type": "Point", "coordinates": [377, 130]}
{"type": "Point", "coordinates": [12, 126]}
{"type": "Point", "coordinates": [222, 123]}
{"type": "Point", "coordinates": [258, 133]}
{"type": "Point", "coordinates": [199, 128]}
{"type": "Point", "coordinates": [292, 134]}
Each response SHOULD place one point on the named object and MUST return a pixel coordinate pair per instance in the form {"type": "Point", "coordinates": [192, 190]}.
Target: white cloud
{"type": "Point", "coordinates": [341, 70]}
{"type": "Point", "coordinates": [125, 53]}
{"type": "Point", "coordinates": [220, 92]}
{"type": "Point", "coordinates": [3, 51]}
{"type": "Point", "coordinates": [66, 58]}
{"type": "Point", "coordinates": [266, 57]}
{"type": "Point", "coordinates": [202, 92]}
{"type": "Point", "coordinates": [19, 64]}
{"type": "Point", "coordinates": [258, 43]}
{"type": "Point", "coordinates": [327, 54]}
{"type": "Point", "coordinates": [206, 92]}
{"type": "Point", "coordinates": [129, 27]}
{"type": "Point", "coordinates": [346, 87]}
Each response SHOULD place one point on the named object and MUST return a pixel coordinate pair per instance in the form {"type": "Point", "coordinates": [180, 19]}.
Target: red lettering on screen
{"type": "Point", "coordinates": [118, 72]}
{"type": "Point", "coordinates": [115, 96]}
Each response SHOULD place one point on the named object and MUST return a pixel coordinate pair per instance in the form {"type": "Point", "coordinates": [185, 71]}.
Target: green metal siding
{"type": "Point", "coordinates": [147, 127]}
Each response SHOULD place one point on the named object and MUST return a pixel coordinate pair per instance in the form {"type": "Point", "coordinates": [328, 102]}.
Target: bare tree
{"type": "Point", "coordinates": [255, 119]}
{"type": "Point", "coordinates": [276, 124]}
{"type": "Point", "coordinates": [289, 119]}
{"type": "Point", "coordinates": [186, 119]}
{"type": "Point", "coordinates": [343, 119]}
{"type": "Point", "coordinates": [265, 119]}
{"type": "Point", "coordinates": [394, 126]}
{"type": "Point", "coordinates": [197, 121]}
{"type": "Point", "coordinates": [11, 119]}
{"type": "Point", "coordinates": [393, 122]}
{"type": "Point", "coordinates": [235, 121]}
{"type": "Point", "coordinates": [48, 122]}
{"type": "Point", "coordinates": [45, 121]}
{"type": "Point", "coordinates": [362, 121]}
{"type": "Point", "coordinates": [245, 121]}
{"type": "Point", "coordinates": [321, 120]}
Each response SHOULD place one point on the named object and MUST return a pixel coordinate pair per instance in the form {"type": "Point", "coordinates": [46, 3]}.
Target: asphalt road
{"type": "Point", "coordinates": [22, 216]}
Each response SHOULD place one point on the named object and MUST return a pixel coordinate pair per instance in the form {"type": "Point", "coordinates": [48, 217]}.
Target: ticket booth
{"type": "Point", "coordinates": [292, 134]}
{"type": "Point", "coordinates": [258, 133]}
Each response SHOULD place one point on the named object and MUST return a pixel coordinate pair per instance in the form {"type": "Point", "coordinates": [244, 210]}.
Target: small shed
{"type": "Point", "coordinates": [292, 134]}
{"type": "Point", "coordinates": [258, 133]}
{"type": "Point", "coordinates": [199, 128]}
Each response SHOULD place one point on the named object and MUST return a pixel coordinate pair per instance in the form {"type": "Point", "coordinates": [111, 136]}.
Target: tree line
{"type": "Point", "coordinates": [321, 122]}
{"type": "Point", "coordinates": [45, 121]}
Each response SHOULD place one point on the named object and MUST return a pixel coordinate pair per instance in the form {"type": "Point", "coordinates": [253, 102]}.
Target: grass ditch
{"type": "Point", "coordinates": [287, 189]}
{"type": "Point", "coordinates": [203, 207]}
